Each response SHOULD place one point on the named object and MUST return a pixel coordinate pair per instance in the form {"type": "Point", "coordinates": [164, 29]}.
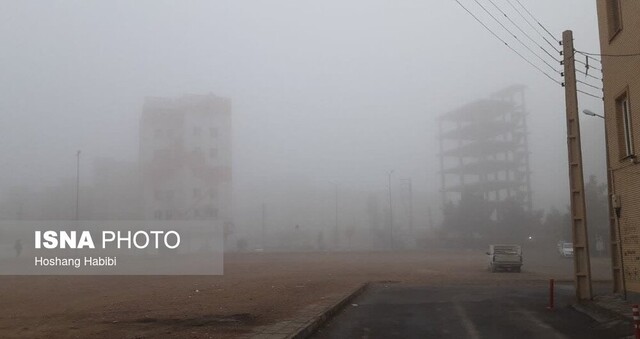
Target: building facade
{"type": "Point", "coordinates": [619, 26]}
{"type": "Point", "coordinates": [185, 158]}
{"type": "Point", "coordinates": [484, 151]}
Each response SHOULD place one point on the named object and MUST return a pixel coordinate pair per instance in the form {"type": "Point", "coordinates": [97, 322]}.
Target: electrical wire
{"type": "Point", "coordinates": [609, 55]}
{"type": "Point", "coordinates": [591, 56]}
{"type": "Point", "coordinates": [588, 66]}
{"type": "Point", "coordinates": [536, 20]}
{"type": "Point", "coordinates": [588, 75]}
{"type": "Point", "coordinates": [533, 27]}
{"type": "Point", "coordinates": [588, 84]}
{"type": "Point", "coordinates": [506, 44]}
{"type": "Point", "coordinates": [589, 94]}
{"type": "Point", "coordinates": [515, 37]}
{"type": "Point", "coordinates": [521, 30]}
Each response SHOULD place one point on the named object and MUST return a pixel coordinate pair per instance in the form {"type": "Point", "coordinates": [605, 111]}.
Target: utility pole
{"type": "Point", "coordinates": [264, 224]}
{"type": "Point", "coordinates": [77, 184]}
{"type": "Point", "coordinates": [410, 187]}
{"type": "Point", "coordinates": [581, 262]}
{"type": "Point", "coordinates": [390, 212]}
{"type": "Point", "coordinates": [336, 234]}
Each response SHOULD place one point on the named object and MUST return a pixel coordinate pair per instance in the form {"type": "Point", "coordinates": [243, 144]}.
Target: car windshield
{"type": "Point", "coordinates": [505, 251]}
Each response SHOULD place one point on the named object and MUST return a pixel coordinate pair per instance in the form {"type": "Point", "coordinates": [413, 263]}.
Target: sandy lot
{"type": "Point", "coordinates": [256, 289]}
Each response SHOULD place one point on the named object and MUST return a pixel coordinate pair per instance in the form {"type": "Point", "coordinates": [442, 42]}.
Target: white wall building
{"type": "Point", "coordinates": [185, 158]}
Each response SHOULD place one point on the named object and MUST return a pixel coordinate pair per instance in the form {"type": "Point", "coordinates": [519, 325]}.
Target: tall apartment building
{"type": "Point", "coordinates": [484, 150]}
{"type": "Point", "coordinates": [185, 158]}
{"type": "Point", "coordinates": [619, 26]}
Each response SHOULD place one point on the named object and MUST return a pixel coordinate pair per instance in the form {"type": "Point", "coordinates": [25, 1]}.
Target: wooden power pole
{"type": "Point", "coordinates": [582, 265]}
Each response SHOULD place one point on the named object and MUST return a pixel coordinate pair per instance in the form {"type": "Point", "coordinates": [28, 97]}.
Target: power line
{"type": "Point", "coordinates": [588, 84]}
{"type": "Point", "coordinates": [521, 30]}
{"type": "Point", "coordinates": [588, 75]}
{"type": "Point", "coordinates": [506, 44]}
{"type": "Point", "coordinates": [609, 55]}
{"type": "Point", "coordinates": [589, 94]}
{"type": "Point", "coordinates": [591, 56]}
{"type": "Point", "coordinates": [536, 20]}
{"type": "Point", "coordinates": [514, 36]}
{"type": "Point", "coordinates": [587, 66]}
{"type": "Point", "coordinates": [534, 28]}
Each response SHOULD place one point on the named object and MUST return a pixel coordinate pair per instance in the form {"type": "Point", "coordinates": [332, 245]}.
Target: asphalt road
{"type": "Point", "coordinates": [514, 311]}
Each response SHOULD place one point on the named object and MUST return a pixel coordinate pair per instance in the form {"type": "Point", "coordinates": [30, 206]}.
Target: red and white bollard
{"type": "Point", "coordinates": [636, 321]}
{"type": "Point", "coordinates": [551, 295]}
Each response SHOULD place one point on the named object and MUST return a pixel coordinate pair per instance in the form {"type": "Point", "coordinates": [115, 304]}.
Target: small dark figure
{"type": "Point", "coordinates": [18, 247]}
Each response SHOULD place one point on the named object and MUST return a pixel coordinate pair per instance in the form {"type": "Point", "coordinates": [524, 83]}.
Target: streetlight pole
{"type": "Point", "coordinates": [77, 184]}
{"type": "Point", "coordinates": [390, 211]}
{"type": "Point", "coordinates": [410, 186]}
{"type": "Point", "coordinates": [264, 224]}
{"type": "Point", "coordinates": [336, 234]}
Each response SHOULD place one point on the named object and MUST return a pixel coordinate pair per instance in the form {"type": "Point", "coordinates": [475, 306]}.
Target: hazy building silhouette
{"type": "Point", "coordinates": [185, 158]}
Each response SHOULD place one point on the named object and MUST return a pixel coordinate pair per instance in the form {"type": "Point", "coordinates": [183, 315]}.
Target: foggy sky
{"type": "Point", "coordinates": [322, 90]}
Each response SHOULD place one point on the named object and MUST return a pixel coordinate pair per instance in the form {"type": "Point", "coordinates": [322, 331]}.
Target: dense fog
{"type": "Point", "coordinates": [327, 98]}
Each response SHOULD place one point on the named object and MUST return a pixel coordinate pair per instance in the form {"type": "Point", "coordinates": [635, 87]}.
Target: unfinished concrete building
{"type": "Point", "coordinates": [484, 151]}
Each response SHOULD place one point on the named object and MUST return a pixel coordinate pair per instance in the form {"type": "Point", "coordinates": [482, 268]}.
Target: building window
{"type": "Point", "coordinates": [214, 132]}
{"type": "Point", "coordinates": [163, 195]}
{"type": "Point", "coordinates": [211, 212]}
{"type": "Point", "coordinates": [213, 193]}
{"type": "Point", "coordinates": [614, 17]}
{"type": "Point", "coordinates": [213, 153]}
{"type": "Point", "coordinates": [161, 154]}
{"type": "Point", "coordinates": [625, 130]}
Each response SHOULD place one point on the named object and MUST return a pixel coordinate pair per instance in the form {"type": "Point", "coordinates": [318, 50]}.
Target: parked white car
{"type": "Point", "coordinates": [566, 250]}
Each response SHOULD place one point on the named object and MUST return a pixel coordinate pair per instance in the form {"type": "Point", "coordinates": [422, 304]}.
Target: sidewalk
{"type": "Point", "coordinates": [610, 310]}
{"type": "Point", "coordinates": [605, 308]}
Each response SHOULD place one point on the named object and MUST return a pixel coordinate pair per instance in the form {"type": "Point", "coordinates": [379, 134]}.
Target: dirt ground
{"type": "Point", "coordinates": [256, 289]}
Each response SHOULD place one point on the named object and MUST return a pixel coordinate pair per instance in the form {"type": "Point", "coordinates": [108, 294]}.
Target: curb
{"type": "Point", "coordinates": [598, 313]}
{"type": "Point", "coordinates": [312, 326]}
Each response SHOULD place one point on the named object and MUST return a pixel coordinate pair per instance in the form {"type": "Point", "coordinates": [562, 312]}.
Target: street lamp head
{"type": "Point", "coordinates": [591, 113]}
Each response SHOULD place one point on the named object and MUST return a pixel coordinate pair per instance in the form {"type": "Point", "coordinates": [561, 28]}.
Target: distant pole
{"type": "Point", "coordinates": [410, 186]}
{"type": "Point", "coordinates": [336, 234]}
{"type": "Point", "coordinates": [77, 184]}
{"type": "Point", "coordinates": [390, 211]}
{"type": "Point", "coordinates": [582, 266]}
{"type": "Point", "coordinates": [264, 224]}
